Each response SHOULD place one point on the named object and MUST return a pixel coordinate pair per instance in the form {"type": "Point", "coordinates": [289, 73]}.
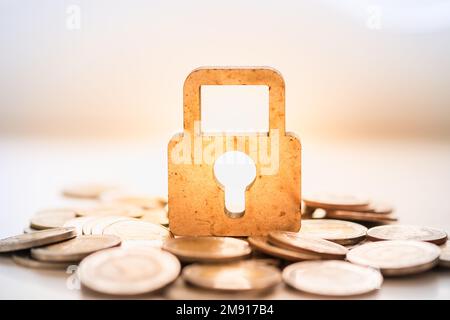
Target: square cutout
{"type": "Point", "coordinates": [234, 108]}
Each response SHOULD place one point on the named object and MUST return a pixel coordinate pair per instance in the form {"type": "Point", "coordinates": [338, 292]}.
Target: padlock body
{"type": "Point", "coordinates": [196, 200]}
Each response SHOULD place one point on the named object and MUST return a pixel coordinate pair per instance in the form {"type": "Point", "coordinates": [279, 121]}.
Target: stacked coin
{"type": "Point", "coordinates": [36, 239]}
{"type": "Point", "coordinates": [346, 207]}
{"type": "Point", "coordinates": [407, 232]}
{"type": "Point", "coordinates": [262, 244]}
{"type": "Point", "coordinates": [308, 244]}
{"type": "Point", "coordinates": [130, 222]}
{"type": "Point", "coordinates": [294, 246]}
{"type": "Point", "coordinates": [74, 250]}
{"type": "Point", "coordinates": [51, 218]}
{"type": "Point", "coordinates": [126, 248]}
{"type": "Point", "coordinates": [24, 259]}
{"type": "Point", "coordinates": [54, 248]}
{"type": "Point", "coordinates": [338, 231]}
{"type": "Point", "coordinates": [84, 231]}
{"type": "Point", "coordinates": [18, 244]}
{"type": "Point", "coordinates": [444, 258]}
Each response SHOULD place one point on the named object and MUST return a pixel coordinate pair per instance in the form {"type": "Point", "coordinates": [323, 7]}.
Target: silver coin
{"type": "Point", "coordinates": [86, 191]}
{"type": "Point", "coordinates": [378, 218]}
{"type": "Point", "coordinates": [444, 258]}
{"type": "Point", "coordinates": [339, 231]}
{"type": "Point", "coordinates": [396, 257]}
{"type": "Point", "coordinates": [406, 232]}
{"type": "Point", "coordinates": [336, 201]}
{"type": "Point", "coordinates": [112, 210]}
{"type": "Point", "coordinates": [234, 276]}
{"type": "Point", "coordinates": [308, 244]}
{"type": "Point", "coordinates": [75, 249]}
{"type": "Point", "coordinates": [120, 271]}
{"type": "Point", "coordinates": [332, 278]}
{"type": "Point", "coordinates": [139, 232]}
{"type": "Point", "coordinates": [263, 245]}
{"type": "Point", "coordinates": [51, 218]}
{"type": "Point", "coordinates": [26, 260]}
{"type": "Point", "coordinates": [36, 239]}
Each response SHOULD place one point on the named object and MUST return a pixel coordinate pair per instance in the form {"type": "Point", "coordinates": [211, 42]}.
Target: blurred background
{"type": "Point", "coordinates": [113, 69]}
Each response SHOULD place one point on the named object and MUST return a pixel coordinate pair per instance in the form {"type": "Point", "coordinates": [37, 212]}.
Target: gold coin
{"type": "Point", "coordinates": [332, 278]}
{"type": "Point", "coordinates": [207, 249]}
{"type": "Point", "coordinates": [75, 249]}
{"type": "Point", "coordinates": [36, 239]}
{"type": "Point", "coordinates": [77, 223]}
{"type": "Point", "coordinates": [334, 201]}
{"type": "Point", "coordinates": [120, 271]}
{"type": "Point", "coordinates": [396, 257]}
{"type": "Point", "coordinates": [339, 231]}
{"type": "Point", "coordinates": [235, 276]}
{"type": "Point", "coordinates": [86, 191]}
{"type": "Point", "coordinates": [263, 245]}
{"type": "Point", "coordinates": [444, 258]}
{"type": "Point", "coordinates": [406, 232]}
{"type": "Point", "coordinates": [156, 215]}
{"type": "Point", "coordinates": [25, 260]}
{"type": "Point", "coordinates": [380, 218]}
{"type": "Point", "coordinates": [112, 210]}
{"type": "Point", "coordinates": [51, 218]}
{"type": "Point", "coordinates": [139, 232]}
{"type": "Point", "coordinates": [307, 244]}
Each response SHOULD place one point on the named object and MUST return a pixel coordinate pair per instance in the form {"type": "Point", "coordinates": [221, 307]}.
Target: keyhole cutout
{"type": "Point", "coordinates": [235, 172]}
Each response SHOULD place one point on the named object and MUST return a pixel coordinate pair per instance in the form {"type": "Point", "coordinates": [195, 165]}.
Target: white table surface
{"type": "Point", "coordinates": [414, 176]}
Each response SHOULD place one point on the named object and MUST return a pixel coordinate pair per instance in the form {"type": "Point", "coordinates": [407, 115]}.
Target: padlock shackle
{"type": "Point", "coordinates": [233, 76]}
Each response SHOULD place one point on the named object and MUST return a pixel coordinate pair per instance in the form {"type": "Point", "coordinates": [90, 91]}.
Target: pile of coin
{"type": "Point", "coordinates": [114, 237]}
{"type": "Point", "coordinates": [293, 246]}
{"type": "Point", "coordinates": [124, 247]}
{"type": "Point", "coordinates": [350, 208]}
{"type": "Point", "coordinates": [54, 248]}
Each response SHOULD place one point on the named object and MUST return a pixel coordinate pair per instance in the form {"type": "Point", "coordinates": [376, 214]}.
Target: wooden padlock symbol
{"type": "Point", "coordinates": [196, 199]}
